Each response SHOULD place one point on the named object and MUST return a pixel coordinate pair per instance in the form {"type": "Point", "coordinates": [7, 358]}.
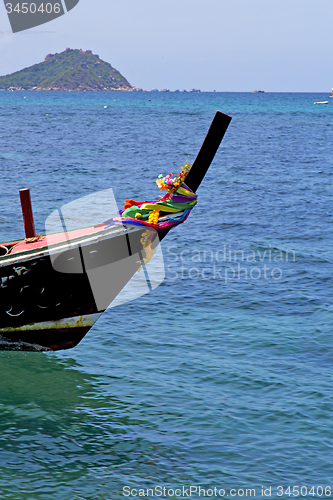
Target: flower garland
{"type": "Point", "coordinates": [153, 217]}
{"type": "Point", "coordinates": [146, 241]}
{"type": "Point", "coordinates": [169, 183]}
{"type": "Point", "coordinates": [179, 197]}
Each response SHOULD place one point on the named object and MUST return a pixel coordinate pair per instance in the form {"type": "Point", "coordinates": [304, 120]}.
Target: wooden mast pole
{"type": "Point", "coordinates": [28, 218]}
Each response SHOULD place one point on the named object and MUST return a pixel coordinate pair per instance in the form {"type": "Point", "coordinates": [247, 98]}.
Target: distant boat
{"type": "Point", "coordinates": [331, 94]}
{"type": "Point", "coordinates": [321, 102]}
{"type": "Point", "coordinates": [195, 90]}
{"type": "Point", "coordinates": [257, 91]}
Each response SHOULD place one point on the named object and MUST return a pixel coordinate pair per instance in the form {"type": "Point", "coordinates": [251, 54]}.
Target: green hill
{"type": "Point", "coordinates": [69, 70]}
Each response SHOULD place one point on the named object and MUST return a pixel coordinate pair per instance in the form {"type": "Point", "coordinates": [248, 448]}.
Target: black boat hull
{"type": "Point", "coordinates": [51, 300]}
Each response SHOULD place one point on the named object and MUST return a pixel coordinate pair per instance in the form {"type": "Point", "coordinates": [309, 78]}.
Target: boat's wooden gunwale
{"type": "Point", "coordinates": [48, 249]}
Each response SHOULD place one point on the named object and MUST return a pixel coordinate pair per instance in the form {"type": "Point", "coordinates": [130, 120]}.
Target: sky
{"type": "Point", "coordinates": [222, 45]}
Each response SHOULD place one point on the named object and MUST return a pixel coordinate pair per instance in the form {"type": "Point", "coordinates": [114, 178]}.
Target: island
{"type": "Point", "coordinates": [73, 69]}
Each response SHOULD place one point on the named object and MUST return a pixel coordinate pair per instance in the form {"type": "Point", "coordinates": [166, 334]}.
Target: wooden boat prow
{"type": "Point", "coordinates": [54, 287]}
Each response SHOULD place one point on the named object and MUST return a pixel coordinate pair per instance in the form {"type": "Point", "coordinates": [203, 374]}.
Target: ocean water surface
{"type": "Point", "coordinates": [222, 376]}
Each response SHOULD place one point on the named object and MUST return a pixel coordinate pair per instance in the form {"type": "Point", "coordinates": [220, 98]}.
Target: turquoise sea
{"type": "Point", "coordinates": [219, 379]}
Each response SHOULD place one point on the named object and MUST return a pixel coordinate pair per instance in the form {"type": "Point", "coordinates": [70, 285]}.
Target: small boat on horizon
{"type": "Point", "coordinates": [321, 102]}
